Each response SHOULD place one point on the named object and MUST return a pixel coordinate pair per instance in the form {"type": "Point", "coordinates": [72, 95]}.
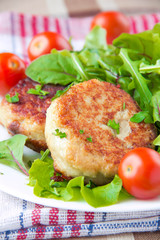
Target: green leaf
{"type": "Point", "coordinates": [156, 141]}
{"type": "Point", "coordinates": [150, 68]}
{"type": "Point", "coordinates": [156, 106]}
{"type": "Point", "coordinates": [11, 152]}
{"type": "Point", "coordinates": [54, 68]}
{"type": "Point", "coordinates": [12, 99]}
{"type": "Point", "coordinates": [40, 176]}
{"type": "Point", "coordinates": [146, 44]}
{"type": "Point", "coordinates": [61, 92]}
{"type": "Point", "coordinates": [114, 125]}
{"type": "Point", "coordinates": [139, 81]}
{"type": "Point", "coordinates": [79, 67]}
{"type": "Point", "coordinates": [140, 116]}
{"type": "Point", "coordinates": [89, 58]}
{"type": "Point", "coordinates": [44, 156]}
{"type": "Point", "coordinates": [41, 172]}
{"type": "Point", "coordinates": [96, 39]}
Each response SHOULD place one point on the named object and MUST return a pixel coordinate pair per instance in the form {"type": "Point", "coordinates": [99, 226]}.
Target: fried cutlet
{"type": "Point", "coordinates": [29, 114]}
{"type": "Point", "coordinates": [78, 135]}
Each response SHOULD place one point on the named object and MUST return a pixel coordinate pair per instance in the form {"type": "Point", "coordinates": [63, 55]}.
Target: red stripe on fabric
{"type": "Point", "coordinates": [145, 22]}
{"type": "Point", "coordinates": [40, 232]}
{"type": "Point", "coordinates": [22, 33]}
{"type": "Point", "coordinates": [36, 216]}
{"type": "Point", "coordinates": [58, 29]}
{"type": "Point", "coordinates": [53, 216]}
{"type": "Point", "coordinates": [22, 234]}
{"type": "Point", "coordinates": [89, 217]}
{"type": "Point", "coordinates": [133, 25]}
{"type": "Point", "coordinates": [71, 217]}
{"type": "Point", "coordinates": [58, 230]}
{"type": "Point", "coordinates": [75, 232]}
{"type": "Point", "coordinates": [34, 25]}
{"type": "Point", "coordinates": [46, 24]}
{"type": "Point", "coordinates": [22, 26]}
{"type": "Point", "coordinates": [155, 17]}
{"type": "Point", "coordinates": [38, 205]}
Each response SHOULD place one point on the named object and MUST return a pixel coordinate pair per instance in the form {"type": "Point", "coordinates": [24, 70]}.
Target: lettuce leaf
{"type": "Point", "coordinates": [40, 177]}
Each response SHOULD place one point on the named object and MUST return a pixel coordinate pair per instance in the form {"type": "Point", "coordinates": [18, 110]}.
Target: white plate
{"type": "Point", "coordinates": [15, 183]}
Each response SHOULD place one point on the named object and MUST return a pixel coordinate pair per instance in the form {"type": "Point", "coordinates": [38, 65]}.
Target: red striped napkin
{"type": "Point", "coordinates": [16, 30]}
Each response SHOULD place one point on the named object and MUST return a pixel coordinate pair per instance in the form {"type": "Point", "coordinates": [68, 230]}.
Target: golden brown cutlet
{"type": "Point", "coordinates": [92, 148]}
{"type": "Point", "coordinates": [28, 116]}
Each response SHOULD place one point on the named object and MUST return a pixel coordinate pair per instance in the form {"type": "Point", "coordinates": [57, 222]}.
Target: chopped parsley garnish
{"type": "Point", "coordinates": [13, 99]}
{"type": "Point", "coordinates": [124, 105]}
{"type": "Point", "coordinates": [114, 125]}
{"type": "Point", "coordinates": [38, 91]}
{"type": "Point", "coordinates": [89, 139]}
{"type": "Point", "coordinates": [60, 134]}
{"type": "Point", "coordinates": [81, 131]}
{"type": "Point", "coordinates": [61, 92]}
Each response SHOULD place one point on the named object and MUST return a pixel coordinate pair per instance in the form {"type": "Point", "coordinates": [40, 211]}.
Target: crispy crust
{"type": "Point", "coordinates": [89, 106]}
{"type": "Point", "coordinates": [29, 114]}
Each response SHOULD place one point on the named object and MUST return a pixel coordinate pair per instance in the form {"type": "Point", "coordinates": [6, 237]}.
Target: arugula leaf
{"type": "Point", "coordinates": [60, 134]}
{"type": "Point", "coordinates": [156, 106]}
{"type": "Point", "coordinates": [138, 80]}
{"type": "Point", "coordinates": [140, 116]}
{"type": "Point", "coordinates": [61, 92]}
{"type": "Point", "coordinates": [114, 125]}
{"type": "Point", "coordinates": [11, 152]}
{"type": "Point", "coordinates": [79, 67]}
{"type": "Point", "coordinates": [12, 99]}
{"type": "Point", "coordinates": [147, 68]}
{"type": "Point", "coordinates": [37, 91]}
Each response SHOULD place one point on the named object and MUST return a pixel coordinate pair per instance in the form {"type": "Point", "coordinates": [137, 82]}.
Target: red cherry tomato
{"type": "Point", "coordinates": [44, 42]}
{"type": "Point", "coordinates": [114, 22]}
{"type": "Point", "coordinates": [12, 69]}
{"type": "Point", "coordinates": [139, 170]}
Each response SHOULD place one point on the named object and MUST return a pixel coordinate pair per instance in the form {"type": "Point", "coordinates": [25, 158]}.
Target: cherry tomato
{"type": "Point", "coordinates": [44, 42]}
{"type": "Point", "coordinates": [12, 69]}
{"type": "Point", "coordinates": [139, 170]}
{"type": "Point", "coordinates": [114, 22]}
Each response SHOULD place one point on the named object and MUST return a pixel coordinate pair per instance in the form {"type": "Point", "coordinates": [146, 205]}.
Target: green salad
{"type": "Point", "coordinates": [133, 63]}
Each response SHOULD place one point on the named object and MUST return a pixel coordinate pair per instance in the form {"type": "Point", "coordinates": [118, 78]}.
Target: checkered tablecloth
{"type": "Point", "coordinates": [20, 219]}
